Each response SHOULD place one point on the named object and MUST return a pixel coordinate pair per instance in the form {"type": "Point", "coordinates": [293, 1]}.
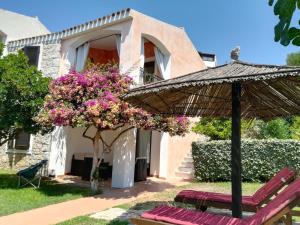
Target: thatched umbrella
{"type": "Point", "coordinates": [232, 90]}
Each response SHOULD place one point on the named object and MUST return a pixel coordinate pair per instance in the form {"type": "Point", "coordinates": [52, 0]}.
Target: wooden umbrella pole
{"type": "Point", "coordinates": [236, 168]}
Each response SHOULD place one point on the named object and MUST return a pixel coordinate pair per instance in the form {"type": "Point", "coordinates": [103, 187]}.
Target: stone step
{"type": "Point", "coordinates": [188, 160]}
{"type": "Point", "coordinates": [189, 155]}
{"type": "Point", "coordinates": [187, 164]}
{"type": "Point", "coordinates": [185, 175]}
{"type": "Point", "coordinates": [185, 169]}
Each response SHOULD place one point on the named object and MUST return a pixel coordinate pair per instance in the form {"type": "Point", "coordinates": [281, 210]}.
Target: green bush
{"type": "Point", "coordinates": [261, 159]}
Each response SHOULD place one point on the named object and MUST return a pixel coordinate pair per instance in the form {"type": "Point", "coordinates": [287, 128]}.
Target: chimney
{"type": "Point", "coordinates": [235, 53]}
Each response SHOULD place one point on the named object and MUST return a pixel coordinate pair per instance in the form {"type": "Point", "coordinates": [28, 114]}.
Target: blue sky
{"type": "Point", "coordinates": [213, 26]}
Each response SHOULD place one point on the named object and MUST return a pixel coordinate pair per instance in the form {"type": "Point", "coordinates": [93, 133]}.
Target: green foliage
{"type": "Point", "coordinates": [1, 48]}
{"type": "Point", "coordinates": [261, 159]}
{"type": "Point", "coordinates": [22, 92]}
{"type": "Point", "coordinates": [277, 128]}
{"type": "Point", "coordinates": [220, 129]}
{"type": "Point", "coordinates": [295, 128]}
{"type": "Point", "coordinates": [284, 32]}
{"type": "Point", "coordinates": [293, 59]}
{"type": "Point", "coordinates": [216, 129]}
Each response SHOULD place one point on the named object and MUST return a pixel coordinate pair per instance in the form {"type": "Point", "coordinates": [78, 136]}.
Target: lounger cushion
{"type": "Point", "coordinates": [264, 193]}
{"type": "Point", "coordinates": [193, 197]}
{"type": "Point", "coordinates": [282, 177]}
{"type": "Point", "coordinates": [284, 199]}
{"type": "Point", "coordinates": [189, 217]}
{"type": "Point", "coordinates": [181, 216]}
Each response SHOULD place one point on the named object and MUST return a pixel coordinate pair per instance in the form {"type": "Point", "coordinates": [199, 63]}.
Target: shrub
{"type": "Point", "coordinates": [261, 159]}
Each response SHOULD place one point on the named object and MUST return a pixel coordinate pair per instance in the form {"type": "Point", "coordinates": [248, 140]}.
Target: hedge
{"type": "Point", "coordinates": [261, 159]}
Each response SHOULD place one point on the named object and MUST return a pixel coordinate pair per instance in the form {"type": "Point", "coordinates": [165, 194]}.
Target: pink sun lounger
{"type": "Point", "coordinates": [278, 210]}
{"type": "Point", "coordinates": [202, 200]}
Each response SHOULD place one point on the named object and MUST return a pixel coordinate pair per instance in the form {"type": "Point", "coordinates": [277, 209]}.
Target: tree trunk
{"type": "Point", "coordinates": [95, 182]}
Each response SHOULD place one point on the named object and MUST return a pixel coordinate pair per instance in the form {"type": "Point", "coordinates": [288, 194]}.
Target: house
{"type": "Point", "coordinates": [209, 59]}
{"type": "Point", "coordinates": [141, 45]}
{"type": "Point", "coordinates": [15, 26]}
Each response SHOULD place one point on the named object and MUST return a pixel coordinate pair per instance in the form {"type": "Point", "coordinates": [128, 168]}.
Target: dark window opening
{"type": "Point", "coordinates": [32, 53]}
{"type": "Point", "coordinates": [21, 141]}
{"type": "Point", "coordinates": [149, 67]}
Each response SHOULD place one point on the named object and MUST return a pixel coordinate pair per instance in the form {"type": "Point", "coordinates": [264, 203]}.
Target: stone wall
{"type": "Point", "coordinates": [40, 145]}
{"type": "Point", "coordinates": [19, 159]}
{"type": "Point", "coordinates": [50, 60]}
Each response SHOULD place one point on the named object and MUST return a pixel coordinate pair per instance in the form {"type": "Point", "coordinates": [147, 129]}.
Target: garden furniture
{"type": "Point", "coordinates": [278, 210]}
{"type": "Point", "coordinates": [202, 199]}
{"type": "Point", "coordinates": [31, 174]}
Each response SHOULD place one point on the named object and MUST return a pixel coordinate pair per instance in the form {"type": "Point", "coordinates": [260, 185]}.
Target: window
{"type": "Point", "coordinates": [32, 53]}
{"type": "Point", "coordinates": [20, 142]}
{"type": "Point", "coordinates": [149, 67]}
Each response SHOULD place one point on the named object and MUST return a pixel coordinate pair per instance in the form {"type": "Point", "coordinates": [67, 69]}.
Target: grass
{"type": "Point", "coordinates": [14, 199]}
{"type": "Point", "coordinates": [85, 220]}
{"type": "Point", "coordinates": [165, 197]}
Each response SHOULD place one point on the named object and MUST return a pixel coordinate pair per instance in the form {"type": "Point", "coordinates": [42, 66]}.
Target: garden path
{"type": "Point", "coordinates": [56, 213]}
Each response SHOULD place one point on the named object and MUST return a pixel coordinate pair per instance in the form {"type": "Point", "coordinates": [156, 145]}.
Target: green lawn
{"type": "Point", "coordinates": [165, 197]}
{"type": "Point", "coordinates": [85, 220]}
{"type": "Point", "coordinates": [13, 199]}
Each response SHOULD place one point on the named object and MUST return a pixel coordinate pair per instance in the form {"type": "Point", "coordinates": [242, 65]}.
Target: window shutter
{"type": "Point", "coordinates": [22, 140]}
{"type": "Point", "coordinates": [32, 53]}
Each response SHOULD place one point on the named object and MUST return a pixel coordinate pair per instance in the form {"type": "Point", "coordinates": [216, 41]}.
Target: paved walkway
{"type": "Point", "coordinates": [56, 213]}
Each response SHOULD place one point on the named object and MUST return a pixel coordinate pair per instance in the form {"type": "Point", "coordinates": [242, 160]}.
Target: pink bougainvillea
{"type": "Point", "coordinates": [92, 98]}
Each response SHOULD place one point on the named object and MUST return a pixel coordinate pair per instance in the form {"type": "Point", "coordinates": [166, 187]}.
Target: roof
{"type": "Point", "coordinates": [264, 89]}
{"type": "Point", "coordinates": [17, 26]}
{"type": "Point", "coordinates": [55, 37]}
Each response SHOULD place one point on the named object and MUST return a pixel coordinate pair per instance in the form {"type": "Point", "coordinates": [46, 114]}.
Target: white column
{"type": "Point", "coordinates": [163, 162]}
{"type": "Point", "coordinates": [155, 153]}
{"type": "Point", "coordinates": [124, 160]}
{"type": "Point", "coordinates": [57, 159]}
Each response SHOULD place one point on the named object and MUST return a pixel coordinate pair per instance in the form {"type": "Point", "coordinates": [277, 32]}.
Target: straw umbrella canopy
{"type": "Point", "coordinates": [232, 90]}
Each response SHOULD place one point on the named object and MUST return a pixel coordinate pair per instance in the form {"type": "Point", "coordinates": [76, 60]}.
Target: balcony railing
{"type": "Point", "coordinates": [150, 78]}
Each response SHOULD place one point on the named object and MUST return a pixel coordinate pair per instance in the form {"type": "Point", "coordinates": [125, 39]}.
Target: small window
{"type": "Point", "coordinates": [20, 142]}
{"type": "Point", "coordinates": [32, 53]}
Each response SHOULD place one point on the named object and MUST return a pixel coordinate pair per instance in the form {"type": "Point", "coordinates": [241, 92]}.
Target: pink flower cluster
{"type": "Point", "coordinates": [93, 98]}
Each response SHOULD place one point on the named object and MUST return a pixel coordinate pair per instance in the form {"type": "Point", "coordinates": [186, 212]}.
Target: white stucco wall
{"type": "Point", "coordinates": [17, 26]}
{"type": "Point", "coordinates": [155, 153]}
{"type": "Point", "coordinates": [124, 160]}
{"type": "Point", "coordinates": [57, 158]}
{"type": "Point", "coordinates": [58, 58]}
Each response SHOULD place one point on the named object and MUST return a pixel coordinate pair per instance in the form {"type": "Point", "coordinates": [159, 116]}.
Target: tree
{"type": "Point", "coordinates": [220, 128]}
{"type": "Point", "coordinates": [295, 128]}
{"type": "Point", "coordinates": [284, 32]}
{"type": "Point", "coordinates": [293, 59]}
{"type": "Point", "coordinates": [277, 128]}
{"type": "Point", "coordinates": [22, 92]}
{"type": "Point", "coordinates": [92, 99]}
{"type": "Point", "coordinates": [216, 129]}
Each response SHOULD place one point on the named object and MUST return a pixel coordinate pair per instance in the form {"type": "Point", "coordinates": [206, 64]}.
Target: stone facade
{"type": "Point", "coordinates": [40, 145]}
{"type": "Point", "coordinates": [19, 159]}
{"type": "Point", "coordinates": [50, 59]}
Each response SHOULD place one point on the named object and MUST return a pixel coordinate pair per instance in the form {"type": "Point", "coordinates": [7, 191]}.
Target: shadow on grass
{"type": "Point", "coordinates": [47, 187]}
